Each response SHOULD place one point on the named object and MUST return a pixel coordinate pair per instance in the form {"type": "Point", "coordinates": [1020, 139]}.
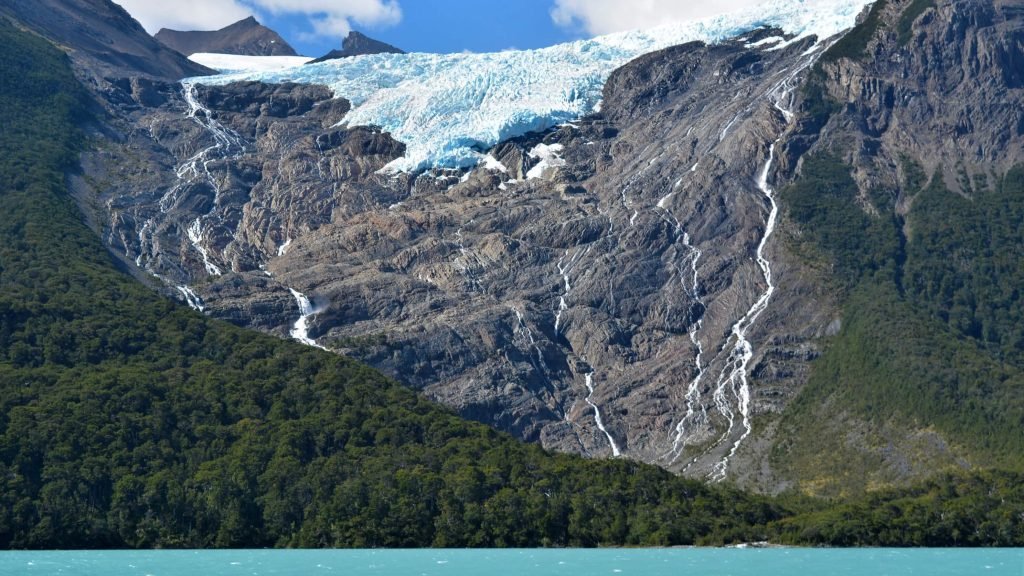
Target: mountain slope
{"type": "Point", "coordinates": [102, 38]}
{"type": "Point", "coordinates": [245, 38]}
{"type": "Point", "coordinates": [126, 420]}
{"type": "Point", "coordinates": [129, 421]}
{"type": "Point", "coordinates": [563, 290]}
{"type": "Point", "coordinates": [765, 258]}
{"type": "Point", "coordinates": [912, 191]}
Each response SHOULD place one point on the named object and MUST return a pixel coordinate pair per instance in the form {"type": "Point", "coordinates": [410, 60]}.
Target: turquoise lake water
{"type": "Point", "coordinates": [569, 562]}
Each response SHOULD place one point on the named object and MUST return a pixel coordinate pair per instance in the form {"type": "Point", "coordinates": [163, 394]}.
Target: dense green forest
{"type": "Point", "coordinates": [127, 420]}
{"type": "Point", "coordinates": [932, 335]}
{"type": "Point", "coordinates": [985, 508]}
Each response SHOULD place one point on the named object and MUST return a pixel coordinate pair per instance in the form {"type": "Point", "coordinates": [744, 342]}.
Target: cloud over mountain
{"type": "Point", "coordinates": [605, 16]}
{"type": "Point", "coordinates": [327, 17]}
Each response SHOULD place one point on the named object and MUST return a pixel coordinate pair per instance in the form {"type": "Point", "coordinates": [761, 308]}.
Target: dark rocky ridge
{"type": "Point", "coordinates": [102, 39]}
{"type": "Point", "coordinates": [245, 37]}
{"type": "Point", "coordinates": [358, 44]}
{"type": "Point", "coordinates": [949, 94]}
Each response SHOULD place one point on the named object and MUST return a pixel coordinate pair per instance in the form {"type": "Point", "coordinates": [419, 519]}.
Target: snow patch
{"type": "Point", "coordinates": [549, 158]}
{"type": "Point", "coordinates": [813, 49]}
{"type": "Point", "coordinates": [492, 163]}
{"type": "Point", "coordinates": [765, 42]}
{"type": "Point", "coordinates": [229, 63]}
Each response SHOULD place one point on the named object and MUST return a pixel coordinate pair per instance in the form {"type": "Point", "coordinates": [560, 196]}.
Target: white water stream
{"type": "Point", "coordinates": [191, 298]}
{"type": "Point", "coordinates": [693, 389]}
{"type": "Point", "coordinates": [564, 271]}
{"type": "Point", "coordinates": [597, 415]}
{"type": "Point", "coordinates": [226, 144]}
{"type": "Point", "coordinates": [736, 375]}
{"type": "Point", "coordinates": [522, 328]}
{"type": "Point", "coordinates": [300, 330]}
{"type": "Point", "coordinates": [731, 395]}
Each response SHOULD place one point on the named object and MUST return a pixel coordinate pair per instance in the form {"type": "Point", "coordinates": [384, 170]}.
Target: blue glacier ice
{"type": "Point", "coordinates": [447, 108]}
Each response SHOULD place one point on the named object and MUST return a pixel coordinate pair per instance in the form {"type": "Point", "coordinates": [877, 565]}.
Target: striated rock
{"type": "Point", "coordinates": [524, 295]}
{"type": "Point", "coordinates": [945, 93]}
{"type": "Point", "coordinates": [614, 267]}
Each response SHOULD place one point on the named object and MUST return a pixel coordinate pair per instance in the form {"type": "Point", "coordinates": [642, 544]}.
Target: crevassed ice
{"type": "Point", "coordinates": [448, 108]}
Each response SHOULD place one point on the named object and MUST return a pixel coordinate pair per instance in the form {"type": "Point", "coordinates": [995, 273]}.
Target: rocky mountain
{"type": "Point", "coordinates": [906, 160]}
{"type": "Point", "coordinates": [681, 276]}
{"type": "Point", "coordinates": [246, 37]}
{"type": "Point", "coordinates": [358, 44]}
{"type": "Point", "coordinates": [131, 422]}
{"type": "Point", "coordinates": [102, 39]}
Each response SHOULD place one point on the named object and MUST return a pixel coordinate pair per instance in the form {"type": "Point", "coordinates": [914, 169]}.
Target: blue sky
{"type": "Point", "coordinates": [447, 26]}
{"type": "Point", "coordinates": [314, 27]}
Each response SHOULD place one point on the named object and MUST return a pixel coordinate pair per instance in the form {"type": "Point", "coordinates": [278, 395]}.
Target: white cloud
{"type": "Point", "coordinates": [334, 17]}
{"type": "Point", "coordinates": [606, 16]}
{"type": "Point", "coordinates": [185, 14]}
{"type": "Point", "coordinates": [327, 17]}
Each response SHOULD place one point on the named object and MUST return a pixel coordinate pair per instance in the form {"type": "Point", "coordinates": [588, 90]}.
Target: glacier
{"type": "Point", "coordinates": [448, 109]}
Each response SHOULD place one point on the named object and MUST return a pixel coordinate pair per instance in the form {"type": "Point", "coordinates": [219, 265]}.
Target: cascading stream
{"type": "Point", "coordinates": [597, 414]}
{"type": "Point", "coordinates": [731, 395]}
{"type": "Point", "coordinates": [300, 330]}
{"type": "Point", "coordinates": [693, 389]}
{"type": "Point", "coordinates": [226, 144]}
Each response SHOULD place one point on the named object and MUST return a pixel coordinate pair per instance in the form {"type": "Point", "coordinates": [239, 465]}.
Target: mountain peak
{"type": "Point", "coordinates": [354, 35]}
{"type": "Point", "coordinates": [244, 38]}
{"type": "Point", "coordinates": [359, 44]}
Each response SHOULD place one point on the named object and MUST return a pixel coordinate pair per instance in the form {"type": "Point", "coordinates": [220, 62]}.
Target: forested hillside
{"type": "Point", "coordinates": [926, 265]}
{"type": "Point", "coordinates": [127, 420]}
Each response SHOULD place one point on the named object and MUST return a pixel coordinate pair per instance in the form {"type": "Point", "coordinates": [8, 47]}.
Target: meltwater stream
{"type": "Point", "coordinates": [731, 393]}
{"type": "Point", "coordinates": [300, 330]}
{"type": "Point", "coordinates": [597, 415]}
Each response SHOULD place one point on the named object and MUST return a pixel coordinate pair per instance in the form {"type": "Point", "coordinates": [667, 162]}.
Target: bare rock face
{"type": "Point", "coordinates": [617, 302]}
{"type": "Point", "coordinates": [943, 88]}
{"type": "Point", "coordinates": [245, 37]}
{"type": "Point", "coordinates": [634, 296]}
